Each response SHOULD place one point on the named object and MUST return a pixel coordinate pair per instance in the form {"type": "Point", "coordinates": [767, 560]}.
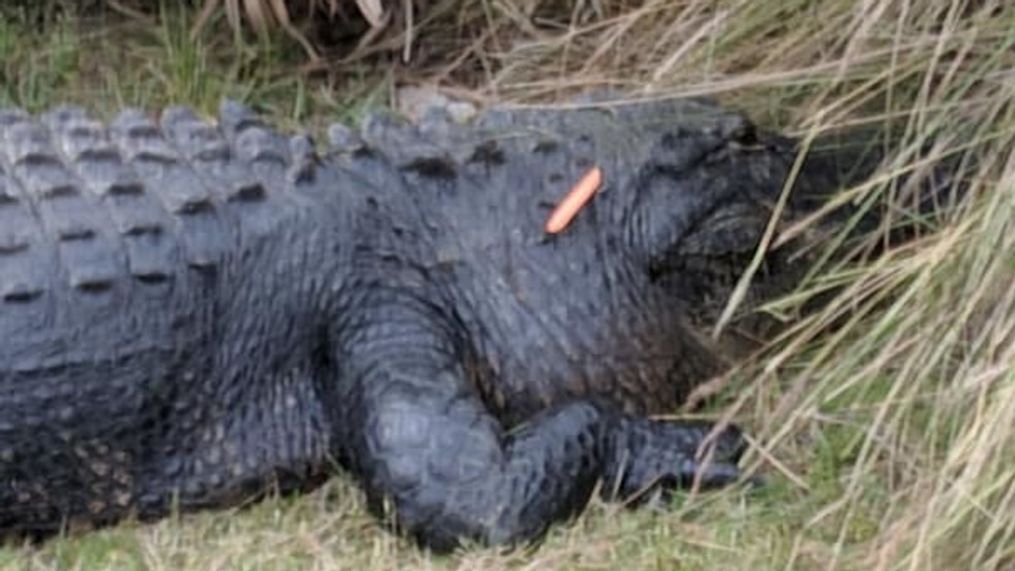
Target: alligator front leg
{"type": "Point", "coordinates": [426, 446]}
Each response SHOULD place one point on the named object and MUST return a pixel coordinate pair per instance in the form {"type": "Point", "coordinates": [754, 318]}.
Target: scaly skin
{"type": "Point", "coordinates": [192, 313]}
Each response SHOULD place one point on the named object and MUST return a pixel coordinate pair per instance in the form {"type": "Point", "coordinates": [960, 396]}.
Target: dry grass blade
{"type": "Point", "coordinates": [257, 15]}
{"type": "Point", "coordinates": [373, 11]}
{"type": "Point", "coordinates": [262, 15]}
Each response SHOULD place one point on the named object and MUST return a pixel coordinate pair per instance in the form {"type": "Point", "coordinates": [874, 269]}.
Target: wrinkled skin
{"type": "Point", "coordinates": [193, 313]}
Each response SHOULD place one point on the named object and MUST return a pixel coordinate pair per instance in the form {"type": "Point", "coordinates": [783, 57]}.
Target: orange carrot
{"type": "Point", "coordinates": [579, 195]}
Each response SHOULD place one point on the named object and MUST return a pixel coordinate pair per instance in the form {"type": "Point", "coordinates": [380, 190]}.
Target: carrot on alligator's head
{"type": "Point", "coordinates": [579, 195]}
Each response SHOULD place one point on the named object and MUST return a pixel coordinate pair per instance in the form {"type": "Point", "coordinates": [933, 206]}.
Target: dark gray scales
{"type": "Point", "coordinates": [193, 312]}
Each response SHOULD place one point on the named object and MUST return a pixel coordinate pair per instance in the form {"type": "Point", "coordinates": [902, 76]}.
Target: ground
{"type": "Point", "coordinates": [884, 420]}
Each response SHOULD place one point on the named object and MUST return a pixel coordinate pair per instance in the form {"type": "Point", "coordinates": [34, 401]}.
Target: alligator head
{"type": "Point", "coordinates": [620, 300]}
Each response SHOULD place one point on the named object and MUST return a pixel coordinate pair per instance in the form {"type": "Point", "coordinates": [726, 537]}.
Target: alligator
{"type": "Point", "coordinates": [194, 312]}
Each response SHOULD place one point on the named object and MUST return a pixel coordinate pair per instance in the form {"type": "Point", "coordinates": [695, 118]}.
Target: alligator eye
{"type": "Point", "coordinates": [745, 135]}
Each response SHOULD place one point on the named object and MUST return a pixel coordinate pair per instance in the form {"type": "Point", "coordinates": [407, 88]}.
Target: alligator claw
{"type": "Point", "coordinates": [708, 474]}
{"type": "Point", "coordinates": [655, 455]}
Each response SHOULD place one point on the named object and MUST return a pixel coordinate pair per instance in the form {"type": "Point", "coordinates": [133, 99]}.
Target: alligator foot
{"type": "Point", "coordinates": [660, 456]}
{"type": "Point", "coordinates": [439, 465]}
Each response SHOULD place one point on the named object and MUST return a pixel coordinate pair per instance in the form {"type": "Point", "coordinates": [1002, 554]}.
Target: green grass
{"type": "Point", "coordinates": [106, 63]}
{"type": "Point", "coordinates": [884, 420]}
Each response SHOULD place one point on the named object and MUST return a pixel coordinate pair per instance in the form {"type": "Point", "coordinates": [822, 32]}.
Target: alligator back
{"type": "Point", "coordinates": [135, 261]}
{"type": "Point", "coordinates": [190, 312]}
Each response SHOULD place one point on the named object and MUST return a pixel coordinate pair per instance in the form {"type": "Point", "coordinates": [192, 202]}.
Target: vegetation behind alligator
{"type": "Point", "coordinates": [193, 312]}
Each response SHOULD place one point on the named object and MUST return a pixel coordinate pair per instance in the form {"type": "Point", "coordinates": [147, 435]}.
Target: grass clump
{"type": "Point", "coordinates": [106, 61]}
{"type": "Point", "coordinates": [884, 420]}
